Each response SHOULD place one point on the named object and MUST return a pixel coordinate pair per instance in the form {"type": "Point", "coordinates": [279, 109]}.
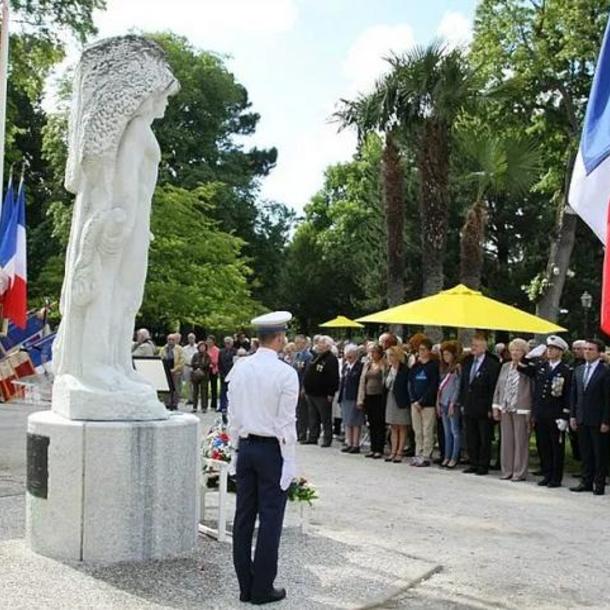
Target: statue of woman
{"type": "Point", "coordinates": [121, 86]}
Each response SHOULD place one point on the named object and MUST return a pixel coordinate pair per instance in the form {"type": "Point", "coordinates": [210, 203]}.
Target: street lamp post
{"type": "Point", "coordinates": [586, 300]}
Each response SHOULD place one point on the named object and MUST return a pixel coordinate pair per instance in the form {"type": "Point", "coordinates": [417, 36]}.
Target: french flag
{"type": "Point", "coordinates": [13, 264]}
{"type": "Point", "coordinates": [589, 192]}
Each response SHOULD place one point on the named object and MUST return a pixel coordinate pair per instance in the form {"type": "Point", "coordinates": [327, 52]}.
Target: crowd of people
{"type": "Point", "coordinates": [429, 403]}
{"type": "Point", "coordinates": [200, 366]}
{"type": "Point", "coordinates": [416, 396]}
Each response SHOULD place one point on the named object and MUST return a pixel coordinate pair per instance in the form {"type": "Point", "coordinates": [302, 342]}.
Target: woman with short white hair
{"type": "Point", "coordinates": [512, 405]}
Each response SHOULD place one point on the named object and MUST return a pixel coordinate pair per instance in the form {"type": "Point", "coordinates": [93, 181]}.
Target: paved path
{"type": "Point", "coordinates": [382, 536]}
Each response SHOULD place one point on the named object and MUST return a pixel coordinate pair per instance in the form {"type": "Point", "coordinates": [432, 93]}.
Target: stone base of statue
{"type": "Point", "coordinates": [112, 491]}
{"type": "Point", "coordinates": [137, 401]}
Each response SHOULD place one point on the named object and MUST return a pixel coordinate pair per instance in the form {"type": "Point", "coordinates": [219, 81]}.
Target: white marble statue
{"type": "Point", "coordinates": [121, 86]}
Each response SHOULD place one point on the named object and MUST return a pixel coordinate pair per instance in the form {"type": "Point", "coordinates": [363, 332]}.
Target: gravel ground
{"type": "Point", "coordinates": [381, 536]}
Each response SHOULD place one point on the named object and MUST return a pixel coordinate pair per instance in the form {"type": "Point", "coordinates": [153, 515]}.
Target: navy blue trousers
{"type": "Point", "coordinates": [259, 469]}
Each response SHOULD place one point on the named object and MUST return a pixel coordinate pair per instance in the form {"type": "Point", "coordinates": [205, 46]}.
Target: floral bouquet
{"type": "Point", "coordinates": [301, 490]}
{"type": "Point", "coordinates": [216, 446]}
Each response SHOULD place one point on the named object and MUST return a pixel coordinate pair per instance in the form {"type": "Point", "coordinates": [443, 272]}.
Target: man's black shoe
{"type": "Point", "coordinates": [244, 597]}
{"type": "Point", "coordinates": [599, 491]}
{"type": "Point", "coordinates": [581, 487]}
{"type": "Point", "coordinates": [276, 595]}
{"type": "Point", "coordinates": [470, 470]}
{"type": "Point", "coordinates": [326, 444]}
{"type": "Point", "coordinates": [310, 443]}
{"type": "Point", "coordinates": [482, 471]}
{"type": "Point", "coordinates": [554, 484]}
{"type": "Point", "coordinates": [543, 483]}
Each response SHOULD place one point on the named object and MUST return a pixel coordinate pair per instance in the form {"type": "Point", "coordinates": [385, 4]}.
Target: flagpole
{"type": "Point", "coordinates": [4, 42]}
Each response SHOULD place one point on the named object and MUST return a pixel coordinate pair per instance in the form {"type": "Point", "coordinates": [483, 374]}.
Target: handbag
{"type": "Point", "coordinates": [198, 375]}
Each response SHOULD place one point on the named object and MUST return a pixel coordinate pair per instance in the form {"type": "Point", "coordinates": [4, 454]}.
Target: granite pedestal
{"type": "Point", "coordinates": [112, 491]}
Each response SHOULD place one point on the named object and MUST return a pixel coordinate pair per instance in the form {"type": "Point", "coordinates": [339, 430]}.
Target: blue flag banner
{"type": "Point", "coordinates": [19, 336]}
{"type": "Point", "coordinates": [41, 351]}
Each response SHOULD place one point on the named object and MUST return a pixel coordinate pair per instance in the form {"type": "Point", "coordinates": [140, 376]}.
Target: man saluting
{"type": "Point", "coordinates": [263, 395]}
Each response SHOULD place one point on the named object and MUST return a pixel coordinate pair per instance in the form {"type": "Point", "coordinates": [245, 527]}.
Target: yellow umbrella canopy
{"type": "Point", "coordinates": [341, 322]}
{"type": "Point", "coordinates": [461, 307]}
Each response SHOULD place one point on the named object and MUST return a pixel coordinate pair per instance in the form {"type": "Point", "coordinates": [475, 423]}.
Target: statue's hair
{"type": "Point", "coordinates": [112, 79]}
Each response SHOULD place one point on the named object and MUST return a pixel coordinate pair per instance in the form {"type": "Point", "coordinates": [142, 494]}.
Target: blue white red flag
{"type": "Point", "coordinates": [13, 264]}
{"type": "Point", "coordinates": [590, 186]}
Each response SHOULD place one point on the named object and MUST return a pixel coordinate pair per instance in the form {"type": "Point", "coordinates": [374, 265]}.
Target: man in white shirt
{"type": "Point", "coordinates": [189, 350]}
{"type": "Point", "coordinates": [263, 394]}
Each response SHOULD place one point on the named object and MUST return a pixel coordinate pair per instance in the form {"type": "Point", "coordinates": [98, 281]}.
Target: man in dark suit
{"type": "Point", "coordinates": [477, 385]}
{"type": "Point", "coordinates": [551, 410]}
{"type": "Point", "coordinates": [590, 415]}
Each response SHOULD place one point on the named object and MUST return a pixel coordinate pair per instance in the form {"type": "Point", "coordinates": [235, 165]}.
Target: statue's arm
{"type": "Point", "coordinates": [129, 161]}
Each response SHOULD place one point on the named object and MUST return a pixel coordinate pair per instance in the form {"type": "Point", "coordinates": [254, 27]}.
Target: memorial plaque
{"type": "Point", "coordinates": [38, 465]}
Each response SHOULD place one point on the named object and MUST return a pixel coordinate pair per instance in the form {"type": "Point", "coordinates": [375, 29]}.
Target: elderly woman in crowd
{"type": "Point", "coordinates": [448, 395]}
{"type": "Point", "coordinates": [370, 398]}
{"type": "Point", "coordinates": [173, 361]}
{"type": "Point", "coordinates": [512, 405]}
{"type": "Point", "coordinates": [397, 413]}
{"type": "Point", "coordinates": [423, 389]}
{"type": "Point", "coordinates": [353, 417]}
{"type": "Point", "coordinates": [288, 353]}
{"type": "Point", "coordinates": [200, 376]}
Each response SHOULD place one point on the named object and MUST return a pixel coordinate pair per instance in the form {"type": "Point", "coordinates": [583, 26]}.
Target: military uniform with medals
{"type": "Point", "coordinates": [551, 411]}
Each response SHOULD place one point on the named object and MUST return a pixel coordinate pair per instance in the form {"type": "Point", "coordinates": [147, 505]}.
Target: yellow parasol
{"type": "Point", "coordinates": [341, 322]}
{"type": "Point", "coordinates": [461, 307]}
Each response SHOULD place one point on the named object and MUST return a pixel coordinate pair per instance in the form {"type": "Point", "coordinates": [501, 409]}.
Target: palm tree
{"type": "Point", "coordinates": [503, 165]}
{"type": "Point", "coordinates": [432, 86]}
{"type": "Point", "coordinates": [375, 112]}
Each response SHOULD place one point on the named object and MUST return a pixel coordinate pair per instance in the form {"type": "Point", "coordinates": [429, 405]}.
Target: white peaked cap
{"type": "Point", "coordinates": [275, 321]}
{"type": "Point", "coordinates": [556, 341]}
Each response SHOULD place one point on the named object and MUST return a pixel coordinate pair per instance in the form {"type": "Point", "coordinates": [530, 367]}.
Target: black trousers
{"type": "Point", "coordinates": [594, 452]}
{"type": "Point", "coordinates": [259, 469]}
{"type": "Point", "coordinates": [574, 444]}
{"type": "Point", "coordinates": [214, 391]}
{"type": "Point", "coordinates": [320, 415]}
{"type": "Point", "coordinates": [551, 447]}
{"type": "Point", "coordinates": [374, 407]}
{"type": "Point", "coordinates": [302, 418]}
{"type": "Point", "coordinates": [478, 441]}
{"type": "Point", "coordinates": [200, 388]}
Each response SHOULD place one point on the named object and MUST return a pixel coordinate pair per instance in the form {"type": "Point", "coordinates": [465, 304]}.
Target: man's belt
{"type": "Point", "coordinates": [255, 438]}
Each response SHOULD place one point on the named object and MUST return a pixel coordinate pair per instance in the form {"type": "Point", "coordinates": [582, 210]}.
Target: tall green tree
{"type": "Point", "coordinates": [502, 165]}
{"type": "Point", "coordinates": [541, 55]}
{"type": "Point", "coordinates": [432, 86]}
{"type": "Point", "coordinates": [335, 263]}
{"type": "Point", "coordinates": [374, 113]}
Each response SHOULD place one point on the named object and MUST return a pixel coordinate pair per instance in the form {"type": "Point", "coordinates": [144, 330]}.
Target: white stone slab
{"type": "Point", "coordinates": [117, 491]}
